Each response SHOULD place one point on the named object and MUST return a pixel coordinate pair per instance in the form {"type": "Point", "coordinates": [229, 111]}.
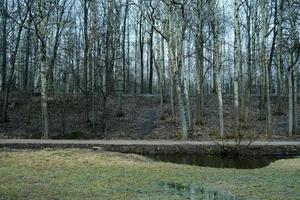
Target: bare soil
{"type": "Point", "coordinates": [141, 120]}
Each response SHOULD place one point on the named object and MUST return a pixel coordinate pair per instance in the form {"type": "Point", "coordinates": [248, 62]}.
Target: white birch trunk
{"type": "Point", "coordinates": [220, 96]}
{"type": "Point", "coordinates": [236, 68]}
{"type": "Point", "coordinates": [43, 69]}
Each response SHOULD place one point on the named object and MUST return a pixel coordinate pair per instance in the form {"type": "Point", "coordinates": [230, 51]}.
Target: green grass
{"type": "Point", "coordinates": [85, 174]}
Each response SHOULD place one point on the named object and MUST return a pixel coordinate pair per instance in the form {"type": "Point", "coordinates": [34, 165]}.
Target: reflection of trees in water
{"type": "Point", "coordinates": [216, 161]}
{"type": "Point", "coordinates": [194, 192]}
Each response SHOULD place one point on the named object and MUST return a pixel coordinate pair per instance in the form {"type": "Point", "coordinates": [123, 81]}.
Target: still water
{"type": "Point", "coordinates": [217, 161]}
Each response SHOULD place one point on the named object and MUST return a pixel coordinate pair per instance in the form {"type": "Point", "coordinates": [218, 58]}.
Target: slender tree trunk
{"type": "Point", "coordinates": [236, 68]}
{"type": "Point", "coordinates": [142, 53]}
{"type": "Point", "coordinates": [172, 91]}
{"type": "Point", "coordinates": [290, 95]}
{"type": "Point", "coordinates": [264, 84]}
{"type": "Point", "coordinates": [256, 51]}
{"type": "Point", "coordinates": [110, 51]}
{"type": "Point", "coordinates": [85, 58]}
{"type": "Point", "coordinates": [292, 81]}
{"type": "Point", "coordinates": [268, 102]}
{"type": "Point", "coordinates": [77, 73]}
{"type": "Point", "coordinates": [4, 44]}
{"type": "Point", "coordinates": [93, 65]}
{"type": "Point", "coordinates": [220, 98]}
{"type": "Point", "coordinates": [163, 64]}
{"type": "Point", "coordinates": [184, 85]}
{"type": "Point", "coordinates": [123, 46]}
{"type": "Point", "coordinates": [136, 59]}
{"type": "Point", "coordinates": [119, 73]}
{"type": "Point", "coordinates": [295, 120]}
{"type": "Point", "coordinates": [158, 65]}
{"type": "Point", "coordinates": [199, 45]}
{"type": "Point", "coordinates": [12, 72]}
{"type": "Point", "coordinates": [44, 97]}
{"type": "Point", "coordinates": [55, 50]}
{"type": "Point", "coordinates": [151, 62]}
{"type": "Point", "coordinates": [268, 76]}
{"type": "Point", "coordinates": [249, 62]}
{"type": "Point", "coordinates": [279, 54]}
{"type": "Point", "coordinates": [128, 79]}
{"type": "Point", "coordinates": [27, 56]}
{"type": "Point", "coordinates": [200, 78]}
{"type": "Point", "coordinates": [215, 24]}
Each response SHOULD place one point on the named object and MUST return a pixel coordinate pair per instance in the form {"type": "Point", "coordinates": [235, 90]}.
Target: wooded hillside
{"type": "Point", "coordinates": [196, 57]}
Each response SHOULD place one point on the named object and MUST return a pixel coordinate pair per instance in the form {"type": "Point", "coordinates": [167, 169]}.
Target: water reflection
{"type": "Point", "coordinates": [216, 161]}
{"type": "Point", "coordinates": [193, 192]}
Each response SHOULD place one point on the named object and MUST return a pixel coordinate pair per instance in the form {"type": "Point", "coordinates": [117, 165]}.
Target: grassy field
{"type": "Point", "coordinates": [85, 174]}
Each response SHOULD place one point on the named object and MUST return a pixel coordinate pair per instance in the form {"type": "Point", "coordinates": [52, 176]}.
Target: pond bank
{"type": "Point", "coordinates": [256, 148]}
{"type": "Point", "coordinates": [87, 174]}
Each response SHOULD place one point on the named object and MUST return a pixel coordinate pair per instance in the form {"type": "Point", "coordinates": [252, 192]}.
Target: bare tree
{"type": "Point", "coordinates": [21, 19]}
{"type": "Point", "coordinates": [41, 32]}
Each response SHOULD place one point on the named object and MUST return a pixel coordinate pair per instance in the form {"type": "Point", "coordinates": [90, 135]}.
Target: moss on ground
{"type": "Point", "coordinates": [85, 174]}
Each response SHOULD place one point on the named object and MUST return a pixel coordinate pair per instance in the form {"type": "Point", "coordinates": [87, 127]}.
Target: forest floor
{"type": "Point", "coordinates": [141, 119]}
{"type": "Point", "coordinates": [87, 174]}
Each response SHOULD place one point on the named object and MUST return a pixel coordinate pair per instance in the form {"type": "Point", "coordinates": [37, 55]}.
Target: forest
{"type": "Point", "coordinates": [149, 99]}
{"type": "Point", "coordinates": [150, 69]}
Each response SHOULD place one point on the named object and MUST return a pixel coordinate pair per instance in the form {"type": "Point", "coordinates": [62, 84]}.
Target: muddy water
{"type": "Point", "coordinates": [216, 161]}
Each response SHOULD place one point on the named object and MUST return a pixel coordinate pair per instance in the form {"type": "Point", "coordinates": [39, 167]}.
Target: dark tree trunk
{"type": "Point", "coordinates": [151, 62]}
{"type": "Point", "coordinates": [142, 53]}
{"type": "Point", "coordinates": [28, 54]}
{"type": "Point", "coordinates": [4, 45]}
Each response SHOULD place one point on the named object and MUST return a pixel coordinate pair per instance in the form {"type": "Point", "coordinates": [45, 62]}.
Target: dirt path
{"type": "Point", "coordinates": [159, 146]}
{"type": "Point", "coordinates": [146, 142]}
{"type": "Point", "coordinates": [149, 124]}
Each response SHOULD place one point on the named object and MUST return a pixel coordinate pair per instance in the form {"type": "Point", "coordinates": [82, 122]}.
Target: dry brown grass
{"type": "Point", "coordinates": [84, 174]}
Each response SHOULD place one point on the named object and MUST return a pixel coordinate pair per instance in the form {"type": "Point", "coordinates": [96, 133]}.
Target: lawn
{"type": "Point", "coordinates": [88, 174]}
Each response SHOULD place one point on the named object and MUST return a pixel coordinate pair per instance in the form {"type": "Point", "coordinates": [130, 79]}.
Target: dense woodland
{"type": "Point", "coordinates": [184, 52]}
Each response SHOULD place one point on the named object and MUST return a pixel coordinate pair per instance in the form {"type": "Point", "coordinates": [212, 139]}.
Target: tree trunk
{"type": "Point", "coordinates": [136, 59]}
{"type": "Point", "coordinates": [27, 56]}
{"type": "Point", "coordinates": [55, 50]}
{"type": "Point", "coordinates": [4, 44]}
{"type": "Point", "coordinates": [41, 32]}
{"type": "Point", "coordinates": [292, 81]}
{"type": "Point", "coordinates": [236, 68]}
{"type": "Point", "coordinates": [151, 62]}
{"type": "Point", "coordinates": [295, 120]}
{"type": "Point", "coordinates": [158, 65]}
{"type": "Point", "coordinates": [278, 52]}
{"type": "Point", "coordinates": [264, 72]}
{"type": "Point", "coordinates": [93, 58]}
{"type": "Point", "coordinates": [290, 95]}
{"type": "Point", "coordinates": [142, 53]}
{"type": "Point", "coordinates": [220, 98]}
{"type": "Point", "coordinates": [85, 58]}
{"type": "Point", "coordinates": [123, 46]}
{"type": "Point", "coordinates": [128, 79]}
{"type": "Point", "coordinates": [200, 77]}
{"type": "Point", "coordinates": [176, 67]}
{"type": "Point", "coordinates": [199, 40]}
{"type": "Point", "coordinates": [184, 85]}
{"type": "Point", "coordinates": [249, 62]}
{"type": "Point", "coordinates": [44, 97]}
{"type": "Point", "coordinates": [163, 65]}
{"type": "Point", "coordinates": [12, 72]}
{"type": "Point", "coordinates": [268, 76]}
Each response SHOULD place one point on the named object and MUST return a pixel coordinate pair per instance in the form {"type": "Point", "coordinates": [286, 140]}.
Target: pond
{"type": "Point", "coordinates": [193, 192]}
{"type": "Point", "coordinates": [217, 161]}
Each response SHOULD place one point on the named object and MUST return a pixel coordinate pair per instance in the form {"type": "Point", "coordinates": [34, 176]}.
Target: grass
{"type": "Point", "coordinates": [85, 174]}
